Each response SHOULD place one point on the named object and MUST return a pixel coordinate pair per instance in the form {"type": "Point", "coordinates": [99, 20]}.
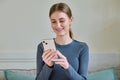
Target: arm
{"type": "Point", "coordinates": [43, 71]}
{"type": "Point", "coordinates": [83, 66]}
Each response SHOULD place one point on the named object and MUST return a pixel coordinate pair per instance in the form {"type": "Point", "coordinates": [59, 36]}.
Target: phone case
{"type": "Point", "coordinates": [48, 44]}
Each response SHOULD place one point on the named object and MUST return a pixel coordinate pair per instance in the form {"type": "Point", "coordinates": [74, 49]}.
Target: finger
{"type": "Point", "coordinates": [46, 52]}
{"type": "Point", "coordinates": [50, 55]}
{"type": "Point", "coordinates": [64, 65]}
{"type": "Point", "coordinates": [60, 63]}
{"type": "Point", "coordinates": [53, 56]}
{"type": "Point", "coordinates": [60, 55]}
{"type": "Point", "coordinates": [46, 55]}
{"type": "Point", "coordinates": [58, 60]}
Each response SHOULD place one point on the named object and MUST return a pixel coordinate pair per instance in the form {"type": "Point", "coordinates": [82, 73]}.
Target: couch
{"type": "Point", "coordinates": [110, 73]}
{"type": "Point", "coordinates": [17, 74]}
{"type": "Point", "coordinates": [104, 74]}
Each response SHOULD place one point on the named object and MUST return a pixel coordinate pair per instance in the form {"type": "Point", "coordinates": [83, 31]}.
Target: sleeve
{"type": "Point", "coordinates": [83, 66]}
{"type": "Point", "coordinates": [43, 71]}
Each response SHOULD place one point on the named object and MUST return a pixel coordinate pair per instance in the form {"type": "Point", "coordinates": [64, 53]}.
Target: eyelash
{"type": "Point", "coordinates": [61, 21]}
{"type": "Point", "coordinates": [55, 21]}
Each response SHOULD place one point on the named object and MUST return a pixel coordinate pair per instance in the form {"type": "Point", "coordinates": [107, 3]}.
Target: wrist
{"type": "Point", "coordinates": [50, 66]}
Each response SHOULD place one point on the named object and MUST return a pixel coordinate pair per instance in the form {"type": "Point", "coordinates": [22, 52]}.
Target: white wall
{"type": "Point", "coordinates": [24, 61]}
{"type": "Point", "coordinates": [23, 23]}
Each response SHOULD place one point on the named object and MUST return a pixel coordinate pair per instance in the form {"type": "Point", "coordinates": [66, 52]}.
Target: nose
{"type": "Point", "coordinates": [58, 24]}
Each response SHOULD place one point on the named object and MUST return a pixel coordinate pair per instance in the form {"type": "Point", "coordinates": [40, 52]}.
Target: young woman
{"type": "Point", "coordinates": [72, 63]}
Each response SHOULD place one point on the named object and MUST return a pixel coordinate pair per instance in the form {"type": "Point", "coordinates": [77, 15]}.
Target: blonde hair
{"type": "Point", "coordinates": [64, 8]}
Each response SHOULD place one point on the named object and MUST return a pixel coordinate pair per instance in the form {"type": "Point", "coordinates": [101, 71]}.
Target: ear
{"type": "Point", "coordinates": [71, 20]}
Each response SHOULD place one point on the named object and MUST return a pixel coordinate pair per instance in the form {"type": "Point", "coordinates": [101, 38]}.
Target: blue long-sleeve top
{"type": "Point", "coordinates": [77, 54]}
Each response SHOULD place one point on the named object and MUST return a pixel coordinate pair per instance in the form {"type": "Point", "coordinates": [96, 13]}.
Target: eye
{"type": "Point", "coordinates": [53, 21]}
{"type": "Point", "coordinates": [62, 21]}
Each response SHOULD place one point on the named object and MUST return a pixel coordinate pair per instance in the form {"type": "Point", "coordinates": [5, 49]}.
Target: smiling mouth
{"type": "Point", "coordinates": [59, 29]}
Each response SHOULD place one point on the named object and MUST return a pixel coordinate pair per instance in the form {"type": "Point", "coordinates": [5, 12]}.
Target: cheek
{"type": "Point", "coordinates": [67, 25]}
{"type": "Point", "coordinates": [53, 27]}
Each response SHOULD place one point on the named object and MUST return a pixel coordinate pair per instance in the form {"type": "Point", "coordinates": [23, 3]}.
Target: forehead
{"type": "Point", "coordinates": [58, 15]}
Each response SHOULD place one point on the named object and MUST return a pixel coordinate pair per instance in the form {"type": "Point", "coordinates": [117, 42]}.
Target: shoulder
{"type": "Point", "coordinates": [40, 46]}
{"type": "Point", "coordinates": [82, 47]}
{"type": "Point", "coordinates": [80, 44]}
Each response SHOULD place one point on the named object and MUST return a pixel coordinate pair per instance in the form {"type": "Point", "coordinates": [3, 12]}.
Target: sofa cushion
{"type": "Point", "coordinates": [2, 77]}
{"type": "Point", "coordinates": [106, 74]}
{"type": "Point", "coordinates": [11, 75]}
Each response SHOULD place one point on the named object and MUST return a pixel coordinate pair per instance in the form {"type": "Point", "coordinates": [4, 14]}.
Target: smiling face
{"type": "Point", "coordinates": [60, 23]}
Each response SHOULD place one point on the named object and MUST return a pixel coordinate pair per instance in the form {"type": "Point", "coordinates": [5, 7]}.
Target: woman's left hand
{"type": "Point", "coordinates": [62, 60]}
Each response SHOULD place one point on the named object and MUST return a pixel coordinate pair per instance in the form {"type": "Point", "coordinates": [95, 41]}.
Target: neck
{"type": "Point", "coordinates": [62, 40]}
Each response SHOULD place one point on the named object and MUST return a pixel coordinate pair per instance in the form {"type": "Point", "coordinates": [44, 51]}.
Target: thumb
{"type": "Point", "coordinates": [60, 55]}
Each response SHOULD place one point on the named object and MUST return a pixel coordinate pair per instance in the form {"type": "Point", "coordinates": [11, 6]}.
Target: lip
{"type": "Point", "coordinates": [59, 29]}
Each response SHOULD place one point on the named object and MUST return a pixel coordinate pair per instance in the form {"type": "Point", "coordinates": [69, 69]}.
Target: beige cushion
{"type": "Point", "coordinates": [2, 77]}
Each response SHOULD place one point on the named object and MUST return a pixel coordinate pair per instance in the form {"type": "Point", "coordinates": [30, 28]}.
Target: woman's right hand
{"type": "Point", "coordinates": [48, 56]}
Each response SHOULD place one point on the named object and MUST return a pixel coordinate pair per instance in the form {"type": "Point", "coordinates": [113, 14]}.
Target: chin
{"type": "Point", "coordinates": [60, 34]}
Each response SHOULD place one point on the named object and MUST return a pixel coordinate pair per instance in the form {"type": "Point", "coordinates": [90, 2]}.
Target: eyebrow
{"type": "Point", "coordinates": [59, 19]}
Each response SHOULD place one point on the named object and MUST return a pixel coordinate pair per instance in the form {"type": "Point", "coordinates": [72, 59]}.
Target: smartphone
{"type": "Point", "coordinates": [48, 44]}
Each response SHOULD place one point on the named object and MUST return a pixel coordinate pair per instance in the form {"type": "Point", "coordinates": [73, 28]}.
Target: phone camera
{"type": "Point", "coordinates": [45, 43]}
